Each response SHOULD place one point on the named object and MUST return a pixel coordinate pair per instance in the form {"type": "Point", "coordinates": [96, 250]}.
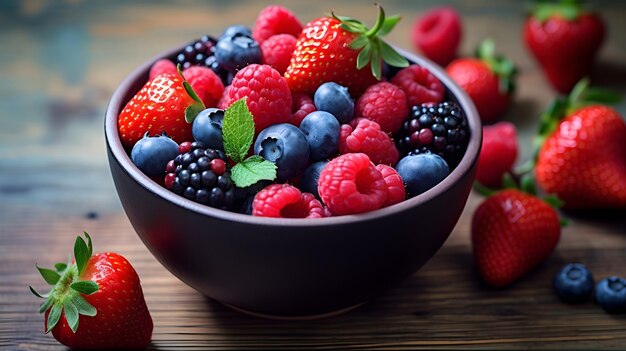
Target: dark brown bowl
{"type": "Point", "coordinates": [289, 267]}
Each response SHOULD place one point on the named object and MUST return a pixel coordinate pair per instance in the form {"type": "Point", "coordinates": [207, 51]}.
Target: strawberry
{"type": "Point", "coordinates": [498, 153]}
{"type": "Point", "coordinates": [487, 79]}
{"type": "Point", "coordinates": [103, 293]}
{"type": "Point", "coordinates": [336, 49]}
{"type": "Point", "coordinates": [512, 232]}
{"type": "Point", "coordinates": [164, 104]}
{"type": "Point", "coordinates": [565, 40]}
{"type": "Point", "coordinates": [583, 157]}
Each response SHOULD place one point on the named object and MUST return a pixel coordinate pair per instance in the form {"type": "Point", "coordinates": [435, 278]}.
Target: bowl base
{"type": "Point", "coordinates": [293, 318]}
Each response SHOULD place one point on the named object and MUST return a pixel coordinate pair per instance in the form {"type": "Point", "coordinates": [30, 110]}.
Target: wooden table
{"type": "Point", "coordinates": [61, 61]}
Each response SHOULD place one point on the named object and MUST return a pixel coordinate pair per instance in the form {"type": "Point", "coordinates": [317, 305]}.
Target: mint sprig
{"type": "Point", "coordinates": [238, 134]}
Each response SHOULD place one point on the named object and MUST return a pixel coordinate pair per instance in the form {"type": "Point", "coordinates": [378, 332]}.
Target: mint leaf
{"type": "Point", "coordinates": [237, 130]}
{"type": "Point", "coordinates": [252, 170]}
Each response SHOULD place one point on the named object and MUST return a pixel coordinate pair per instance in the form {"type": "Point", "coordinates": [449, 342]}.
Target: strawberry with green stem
{"type": "Point", "coordinates": [337, 49]}
{"type": "Point", "coordinates": [96, 301]}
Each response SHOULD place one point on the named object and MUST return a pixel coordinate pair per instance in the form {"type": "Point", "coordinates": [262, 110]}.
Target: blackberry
{"type": "Point", "coordinates": [438, 128]}
{"type": "Point", "coordinates": [197, 52]}
{"type": "Point", "coordinates": [201, 175]}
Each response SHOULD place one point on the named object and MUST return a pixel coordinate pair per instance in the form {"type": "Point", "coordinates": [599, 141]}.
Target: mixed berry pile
{"type": "Point", "coordinates": [286, 120]}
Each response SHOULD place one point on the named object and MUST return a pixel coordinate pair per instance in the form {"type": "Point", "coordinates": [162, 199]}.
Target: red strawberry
{"type": "Point", "coordinates": [337, 49]}
{"type": "Point", "coordinates": [103, 293]}
{"type": "Point", "coordinates": [164, 104]}
{"type": "Point", "coordinates": [565, 40]}
{"type": "Point", "coordinates": [488, 80]}
{"type": "Point", "coordinates": [583, 161]}
{"type": "Point", "coordinates": [498, 153]}
{"type": "Point", "coordinates": [512, 232]}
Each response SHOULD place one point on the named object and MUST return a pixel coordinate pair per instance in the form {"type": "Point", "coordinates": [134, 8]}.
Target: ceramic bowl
{"type": "Point", "coordinates": [290, 268]}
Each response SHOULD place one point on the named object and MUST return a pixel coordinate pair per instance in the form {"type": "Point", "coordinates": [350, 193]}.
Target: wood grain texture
{"type": "Point", "coordinates": [65, 60]}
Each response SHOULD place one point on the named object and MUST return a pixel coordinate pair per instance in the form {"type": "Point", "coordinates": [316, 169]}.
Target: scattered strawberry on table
{"type": "Point", "coordinates": [564, 38]}
{"type": "Point", "coordinates": [96, 301]}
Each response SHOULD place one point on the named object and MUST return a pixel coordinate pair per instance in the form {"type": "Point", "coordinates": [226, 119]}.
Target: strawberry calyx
{"type": "Point", "coordinates": [192, 111]}
{"type": "Point", "coordinates": [372, 49]}
{"type": "Point", "coordinates": [66, 298]}
{"type": "Point", "coordinates": [503, 67]}
{"type": "Point", "coordinates": [569, 10]}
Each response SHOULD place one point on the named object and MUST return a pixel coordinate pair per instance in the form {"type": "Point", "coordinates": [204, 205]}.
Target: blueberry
{"type": "Point", "coordinates": [310, 177]}
{"type": "Point", "coordinates": [151, 154]}
{"type": "Point", "coordinates": [332, 97]}
{"type": "Point", "coordinates": [237, 51]}
{"type": "Point", "coordinates": [422, 172]}
{"type": "Point", "coordinates": [321, 130]}
{"type": "Point", "coordinates": [236, 29]}
{"type": "Point", "coordinates": [207, 128]}
{"type": "Point", "coordinates": [573, 283]}
{"type": "Point", "coordinates": [286, 146]}
{"type": "Point", "coordinates": [610, 294]}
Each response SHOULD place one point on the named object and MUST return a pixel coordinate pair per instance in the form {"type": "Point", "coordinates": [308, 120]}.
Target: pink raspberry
{"type": "Point", "coordinates": [286, 201]}
{"type": "Point", "coordinates": [498, 153]}
{"type": "Point", "coordinates": [205, 83]}
{"type": "Point", "coordinates": [395, 185]}
{"type": "Point", "coordinates": [437, 34]}
{"type": "Point", "coordinates": [302, 105]}
{"type": "Point", "coordinates": [419, 84]}
{"type": "Point", "coordinates": [162, 66]}
{"type": "Point", "coordinates": [385, 104]}
{"type": "Point", "coordinates": [274, 20]}
{"type": "Point", "coordinates": [363, 135]}
{"type": "Point", "coordinates": [267, 93]}
{"type": "Point", "coordinates": [277, 51]}
{"type": "Point", "coordinates": [351, 184]}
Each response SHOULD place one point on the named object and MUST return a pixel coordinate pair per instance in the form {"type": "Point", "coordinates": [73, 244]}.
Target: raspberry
{"type": "Point", "coordinates": [268, 96]}
{"type": "Point", "coordinates": [277, 51]}
{"type": "Point", "coordinates": [419, 85]}
{"type": "Point", "coordinates": [286, 201]}
{"type": "Point", "coordinates": [302, 105]}
{"type": "Point", "coordinates": [351, 184]}
{"type": "Point", "coordinates": [363, 135]}
{"type": "Point", "coordinates": [395, 185]}
{"type": "Point", "coordinates": [205, 83]}
{"type": "Point", "coordinates": [222, 104]}
{"type": "Point", "coordinates": [274, 20]}
{"type": "Point", "coordinates": [437, 34]}
{"type": "Point", "coordinates": [162, 66]}
{"type": "Point", "coordinates": [498, 153]}
{"type": "Point", "coordinates": [385, 104]}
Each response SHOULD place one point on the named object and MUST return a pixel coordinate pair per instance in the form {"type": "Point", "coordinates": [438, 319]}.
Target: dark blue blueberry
{"type": "Point", "coordinates": [610, 294]}
{"type": "Point", "coordinates": [422, 172]}
{"type": "Point", "coordinates": [321, 130]}
{"type": "Point", "coordinates": [237, 51]}
{"type": "Point", "coordinates": [286, 146]}
{"type": "Point", "coordinates": [237, 29]}
{"type": "Point", "coordinates": [573, 283]}
{"type": "Point", "coordinates": [207, 128]}
{"type": "Point", "coordinates": [151, 154]}
{"type": "Point", "coordinates": [311, 175]}
{"type": "Point", "coordinates": [332, 97]}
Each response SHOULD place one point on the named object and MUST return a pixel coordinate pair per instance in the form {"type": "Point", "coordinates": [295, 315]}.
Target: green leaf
{"type": "Point", "coordinates": [375, 63]}
{"type": "Point", "coordinates": [192, 111]}
{"type": "Point", "coordinates": [43, 296]}
{"type": "Point", "coordinates": [85, 286]}
{"type": "Point", "coordinates": [602, 96]}
{"type": "Point", "coordinates": [508, 182]}
{"type": "Point", "coordinates": [51, 277]}
{"type": "Point", "coordinates": [237, 130]}
{"type": "Point", "coordinates": [391, 56]}
{"type": "Point", "coordinates": [486, 50]}
{"type": "Point", "coordinates": [527, 184]}
{"type": "Point", "coordinates": [353, 27]}
{"type": "Point", "coordinates": [563, 222]}
{"type": "Point", "coordinates": [554, 201]}
{"type": "Point", "coordinates": [359, 42]}
{"type": "Point", "coordinates": [483, 190]}
{"type": "Point", "coordinates": [388, 25]}
{"type": "Point", "coordinates": [84, 307]}
{"type": "Point", "coordinates": [54, 316]}
{"type": "Point", "coordinates": [71, 314]}
{"type": "Point", "coordinates": [60, 267]}
{"type": "Point", "coordinates": [364, 56]}
{"type": "Point", "coordinates": [44, 306]}
{"type": "Point", "coordinates": [81, 254]}
{"type": "Point", "coordinates": [373, 32]}
{"type": "Point", "coordinates": [577, 94]}
{"type": "Point", "coordinates": [252, 170]}
{"type": "Point", "coordinates": [89, 244]}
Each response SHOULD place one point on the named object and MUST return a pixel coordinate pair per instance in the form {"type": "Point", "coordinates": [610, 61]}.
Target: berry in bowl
{"type": "Point", "coordinates": [292, 191]}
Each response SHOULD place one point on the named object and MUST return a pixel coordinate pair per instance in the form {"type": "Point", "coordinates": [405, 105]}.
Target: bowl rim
{"type": "Point", "coordinates": [113, 143]}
